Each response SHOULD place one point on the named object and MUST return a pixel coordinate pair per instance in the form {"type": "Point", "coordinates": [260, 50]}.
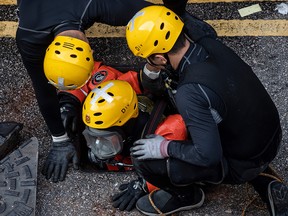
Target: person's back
{"type": "Point", "coordinates": [251, 119]}
{"type": "Point", "coordinates": [233, 123]}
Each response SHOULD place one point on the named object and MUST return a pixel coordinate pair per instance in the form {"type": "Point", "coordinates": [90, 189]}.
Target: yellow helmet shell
{"type": "Point", "coordinates": [68, 63]}
{"type": "Point", "coordinates": [154, 29]}
{"type": "Point", "coordinates": [111, 103]}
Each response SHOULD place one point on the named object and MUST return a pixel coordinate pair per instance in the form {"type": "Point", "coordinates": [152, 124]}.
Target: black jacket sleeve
{"type": "Point", "coordinates": [201, 110]}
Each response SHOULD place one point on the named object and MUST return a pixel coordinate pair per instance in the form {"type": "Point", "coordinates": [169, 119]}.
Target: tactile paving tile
{"type": "Point", "coordinates": [18, 180]}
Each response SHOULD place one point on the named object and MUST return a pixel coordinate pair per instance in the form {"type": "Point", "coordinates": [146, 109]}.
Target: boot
{"type": "Point", "coordinates": [160, 202]}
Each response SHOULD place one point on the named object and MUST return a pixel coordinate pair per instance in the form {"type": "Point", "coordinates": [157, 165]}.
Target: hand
{"type": "Point", "coordinates": [130, 193]}
{"type": "Point", "coordinates": [70, 117]}
{"type": "Point", "coordinates": [56, 164]}
{"type": "Point", "coordinates": [150, 148]}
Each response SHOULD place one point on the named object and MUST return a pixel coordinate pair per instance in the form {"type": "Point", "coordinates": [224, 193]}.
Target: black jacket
{"type": "Point", "coordinates": [229, 114]}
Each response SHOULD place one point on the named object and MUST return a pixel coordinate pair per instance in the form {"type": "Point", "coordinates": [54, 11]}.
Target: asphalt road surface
{"type": "Point", "coordinates": [260, 39]}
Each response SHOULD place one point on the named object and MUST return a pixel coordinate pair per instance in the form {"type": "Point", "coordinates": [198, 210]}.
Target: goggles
{"type": "Point", "coordinates": [103, 144]}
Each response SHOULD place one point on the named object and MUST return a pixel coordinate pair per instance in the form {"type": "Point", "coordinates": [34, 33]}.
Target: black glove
{"type": "Point", "coordinates": [156, 86]}
{"type": "Point", "coordinates": [70, 117]}
{"type": "Point", "coordinates": [70, 108]}
{"type": "Point", "coordinates": [130, 193]}
{"type": "Point", "coordinates": [56, 164]}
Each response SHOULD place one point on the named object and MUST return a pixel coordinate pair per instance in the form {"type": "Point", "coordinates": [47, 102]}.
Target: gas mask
{"type": "Point", "coordinates": [102, 144]}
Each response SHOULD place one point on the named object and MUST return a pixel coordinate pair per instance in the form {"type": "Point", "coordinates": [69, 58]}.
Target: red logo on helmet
{"type": "Point", "coordinates": [98, 77]}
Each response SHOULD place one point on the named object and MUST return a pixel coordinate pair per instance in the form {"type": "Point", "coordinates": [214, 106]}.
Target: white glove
{"type": "Point", "coordinates": [152, 147]}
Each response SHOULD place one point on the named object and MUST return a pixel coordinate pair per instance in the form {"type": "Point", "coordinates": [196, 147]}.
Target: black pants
{"type": "Point", "coordinates": [178, 177]}
{"type": "Point", "coordinates": [157, 172]}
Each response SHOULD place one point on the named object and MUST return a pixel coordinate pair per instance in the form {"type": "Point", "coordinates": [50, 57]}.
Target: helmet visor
{"type": "Point", "coordinates": [103, 144]}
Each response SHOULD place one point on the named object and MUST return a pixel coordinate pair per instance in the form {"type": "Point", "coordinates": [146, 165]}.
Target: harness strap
{"type": "Point", "coordinates": [155, 117]}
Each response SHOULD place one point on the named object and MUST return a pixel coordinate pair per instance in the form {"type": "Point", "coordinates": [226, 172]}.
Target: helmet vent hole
{"type": "Point", "coordinates": [87, 59]}
{"type": "Point", "coordinates": [162, 26]}
{"type": "Point", "coordinates": [79, 49]}
{"type": "Point", "coordinates": [110, 93]}
{"type": "Point", "coordinates": [57, 52]}
{"type": "Point", "coordinates": [97, 114]}
{"type": "Point", "coordinates": [167, 35]}
{"type": "Point", "coordinates": [99, 122]}
{"type": "Point", "coordinates": [168, 13]}
{"type": "Point", "coordinates": [57, 44]}
{"type": "Point", "coordinates": [101, 100]}
{"type": "Point", "coordinates": [135, 105]}
{"type": "Point", "coordinates": [92, 95]}
{"type": "Point", "coordinates": [73, 56]}
{"type": "Point", "coordinates": [176, 18]}
{"type": "Point", "coordinates": [155, 43]}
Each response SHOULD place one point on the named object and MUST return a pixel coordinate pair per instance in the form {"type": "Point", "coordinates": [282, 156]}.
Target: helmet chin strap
{"type": "Point", "coordinates": [167, 66]}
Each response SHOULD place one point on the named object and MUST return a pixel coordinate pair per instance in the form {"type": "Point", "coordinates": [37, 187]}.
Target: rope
{"type": "Point", "coordinates": [277, 178]}
{"type": "Point", "coordinates": [153, 204]}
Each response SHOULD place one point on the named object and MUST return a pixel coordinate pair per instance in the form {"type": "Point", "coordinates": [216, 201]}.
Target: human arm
{"type": "Point", "coordinates": [178, 6]}
{"type": "Point", "coordinates": [152, 81]}
{"type": "Point", "coordinates": [70, 109]}
{"type": "Point", "coordinates": [196, 103]}
{"type": "Point", "coordinates": [204, 148]}
{"type": "Point", "coordinates": [115, 13]}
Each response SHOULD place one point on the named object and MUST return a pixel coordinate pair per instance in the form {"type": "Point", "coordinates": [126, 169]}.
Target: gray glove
{"type": "Point", "coordinates": [56, 164]}
{"type": "Point", "coordinates": [149, 148]}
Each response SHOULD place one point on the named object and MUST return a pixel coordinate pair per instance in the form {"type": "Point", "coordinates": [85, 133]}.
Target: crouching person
{"type": "Point", "coordinates": [233, 124]}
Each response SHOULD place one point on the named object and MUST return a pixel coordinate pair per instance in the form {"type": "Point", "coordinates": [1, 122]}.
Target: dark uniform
{"type": "Point", "coordinates": [233, 123]}
{"type": "Point", "coordinates": [40, 21]}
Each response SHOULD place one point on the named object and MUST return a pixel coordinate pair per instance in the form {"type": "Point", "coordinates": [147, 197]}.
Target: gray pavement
{"type": "Point", "coordinates": [89, 193]}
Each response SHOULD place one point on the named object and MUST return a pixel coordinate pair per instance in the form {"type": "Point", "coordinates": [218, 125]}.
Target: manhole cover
{"type": "Point", "coordinates": [18, 180]}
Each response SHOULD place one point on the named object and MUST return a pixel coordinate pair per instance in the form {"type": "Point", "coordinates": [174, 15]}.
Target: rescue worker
{"type": "Point", "coordinates": [72, 101]}
{"type": "Point", "coordinates": [113, 121]}
{"type": "Point", "coordinates": [232, 121]}
{"type": "Point", "coordinates": [40, 22]}
{"type": "Point", "coordinates": [114, 138]}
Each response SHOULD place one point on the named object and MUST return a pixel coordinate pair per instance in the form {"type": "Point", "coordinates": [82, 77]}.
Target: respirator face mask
{"type": "Point", "coordinates": [104, 144]}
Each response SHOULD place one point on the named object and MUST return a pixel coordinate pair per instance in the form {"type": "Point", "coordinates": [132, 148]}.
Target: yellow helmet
{"type": "Point", "coordinates": [68, 63]}
{"type": "Point", "coordinates": [111, 103]}
{"type": "Point", "coordinates": [153, 29]}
